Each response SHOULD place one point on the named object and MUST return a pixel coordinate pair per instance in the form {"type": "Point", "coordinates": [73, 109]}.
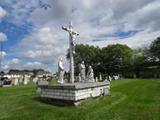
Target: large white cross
{"type": "Point", "coordinates": [72, 34]}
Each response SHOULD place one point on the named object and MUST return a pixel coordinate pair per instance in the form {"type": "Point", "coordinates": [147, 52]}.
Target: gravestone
{"type": "Point", "coordinates": [15, 81]}
{"type": "Point", "coordinates": [100, 77]}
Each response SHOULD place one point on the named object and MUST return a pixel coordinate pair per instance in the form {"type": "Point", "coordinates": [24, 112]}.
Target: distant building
{"type": "Point", "coordinates": [43, 74]}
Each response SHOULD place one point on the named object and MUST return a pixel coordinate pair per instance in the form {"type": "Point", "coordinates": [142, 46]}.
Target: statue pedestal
{"type": "Point", "coordinates": [76, 92]}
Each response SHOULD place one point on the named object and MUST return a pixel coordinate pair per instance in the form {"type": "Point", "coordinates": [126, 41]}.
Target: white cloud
{"type": "Point", "coordinates": [121, 8]}
{"type": "Point", "coordinates": [38, 53]}
{"type": "Point", "coordinates": [146, 18]}
{"type": "Point", "coordinates": [5, 67]}
{"type": "Point", "coordinates": [3, 37]}
{"type": "Point", "coordinates": [44, 45]}
{"type": "Point", "coordinates": [93, 19]}
{"type": "Point", "coordinates": [11, 64]}
{"type": "Point", "coordinates": [142, 39]}
{"type": "Point", "coordinates": [3, 54]}
{"type": "Point", "coordinates": [18, 10]}
{"type": "Point", "coordinates": [2, 12]}
{"type": "Point", "coordinates": [15, 61]}
{"type": "Point", "coordinates": [33, 65]}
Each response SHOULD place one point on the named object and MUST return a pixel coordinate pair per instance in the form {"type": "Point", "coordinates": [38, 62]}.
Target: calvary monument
{"type": "Point", "coordinates": [74, 92]}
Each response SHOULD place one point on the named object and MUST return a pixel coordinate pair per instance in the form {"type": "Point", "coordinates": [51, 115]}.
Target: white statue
{"type": "Point", "coordinates": [82, 70]}
{"type": "Point", "coordinates": [109, 78]}
{"type": "Point", "coordinates": [90, 74]}
{"type": "Point", "coordinates": [60, 71]}
{"type": "Point", "coordinates": [72, 36]}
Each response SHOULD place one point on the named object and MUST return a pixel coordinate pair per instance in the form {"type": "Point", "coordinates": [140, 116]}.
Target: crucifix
{"type": "Point", "coordinates": [72, 35]}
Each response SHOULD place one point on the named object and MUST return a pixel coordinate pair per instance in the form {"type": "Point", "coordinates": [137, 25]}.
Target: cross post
{"type": "Point", "coordinates": [71, 47]}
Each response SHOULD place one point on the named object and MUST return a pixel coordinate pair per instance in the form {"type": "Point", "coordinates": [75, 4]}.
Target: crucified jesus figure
{"type": "Point", "coordinates": [72, 35]}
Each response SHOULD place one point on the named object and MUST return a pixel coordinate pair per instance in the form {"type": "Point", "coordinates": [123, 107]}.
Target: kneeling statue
{"type": "Point", "coordinates": [90, 75]}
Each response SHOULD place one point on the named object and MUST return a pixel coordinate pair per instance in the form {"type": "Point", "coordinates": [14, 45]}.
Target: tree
{"type": "Point", "coordinates": [139, 60]}
{"type": "Point", "coordinates": [89, 54]}
{"type": "Point", "coordinates": [155, 49]}
{"type": "Point", "coordinates": [116, 58]}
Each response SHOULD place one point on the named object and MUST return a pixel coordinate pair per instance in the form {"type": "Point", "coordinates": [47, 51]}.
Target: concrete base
{"type": "Point", "coordinates": [74, 93]}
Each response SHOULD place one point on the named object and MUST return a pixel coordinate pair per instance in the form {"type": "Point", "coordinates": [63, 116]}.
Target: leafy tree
{"type": "Point", "coordinates": [139, 60]}
{"type": "Point", "coordinates": [139, 57]}
{"type": "Point", "coordinates": [155, 49]}
{"type": "Point", "coordinates": [116, 58]}
{"type": "Point", "coordinates": [113, 59]}
{"type": "Point", "coordinates": [89, 54]}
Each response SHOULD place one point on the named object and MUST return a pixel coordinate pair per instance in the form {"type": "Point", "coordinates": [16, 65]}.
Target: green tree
{"type": "Point", "coordinates": [155, 49]}
{"type": "Point", "coordinates": [139, 60]}
{"type": "Point", "coordinates": [116, 58]}
{"type": "Point", "coordinates": [89, 54]}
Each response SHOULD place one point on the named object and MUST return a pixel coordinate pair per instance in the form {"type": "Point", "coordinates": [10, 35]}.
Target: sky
{"type": "Point", "coordinates": [31, 34]}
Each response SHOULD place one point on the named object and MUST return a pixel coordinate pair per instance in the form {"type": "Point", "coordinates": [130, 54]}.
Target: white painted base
{"type": "Point", "coordinates": [75, 92]}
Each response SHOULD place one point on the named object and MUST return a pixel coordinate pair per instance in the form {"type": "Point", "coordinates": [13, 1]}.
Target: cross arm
{"type": "Point", "coordinates": [75, 33]}
{"type": "Point", "coordinates": [64, 28]}
{"type": "Point", "coordinates": [72, 32]}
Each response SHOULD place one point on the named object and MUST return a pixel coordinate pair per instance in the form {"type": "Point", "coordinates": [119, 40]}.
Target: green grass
{"type": "Point", "coordinates": [137, 99]}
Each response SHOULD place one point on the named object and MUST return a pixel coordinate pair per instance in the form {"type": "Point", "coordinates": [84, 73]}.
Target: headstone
{"type": "Point", "coordinates": [25, 81]}
{"type": "Point", "coordinates": [16, 82]}
{"type": "Point", "coordinates": [96, 80]}
{"type": "Point", "coordinates": [35, 80]}
{"type": "Point", "coordinates": [100, 77]}
{"type": "Point", "coordinates": [116, 77]}
{"type": "Point", "coordinates": [20, 79]}
{"type": "Point", "coordinates": [134, 76]}
{"type": "Point", "coordinates": [108, 87]}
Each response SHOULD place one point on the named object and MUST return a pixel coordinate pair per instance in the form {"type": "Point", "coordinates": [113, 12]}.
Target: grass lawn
{"type": "Point", "coordinates": [131, 99]}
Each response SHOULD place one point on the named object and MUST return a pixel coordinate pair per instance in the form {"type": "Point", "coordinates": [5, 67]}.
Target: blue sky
{"type": "Point", "coordinates": [34, 35]}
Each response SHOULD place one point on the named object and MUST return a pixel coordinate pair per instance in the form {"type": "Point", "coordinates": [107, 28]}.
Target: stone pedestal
{"type": "Point", "coordinates": [76, 92]}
